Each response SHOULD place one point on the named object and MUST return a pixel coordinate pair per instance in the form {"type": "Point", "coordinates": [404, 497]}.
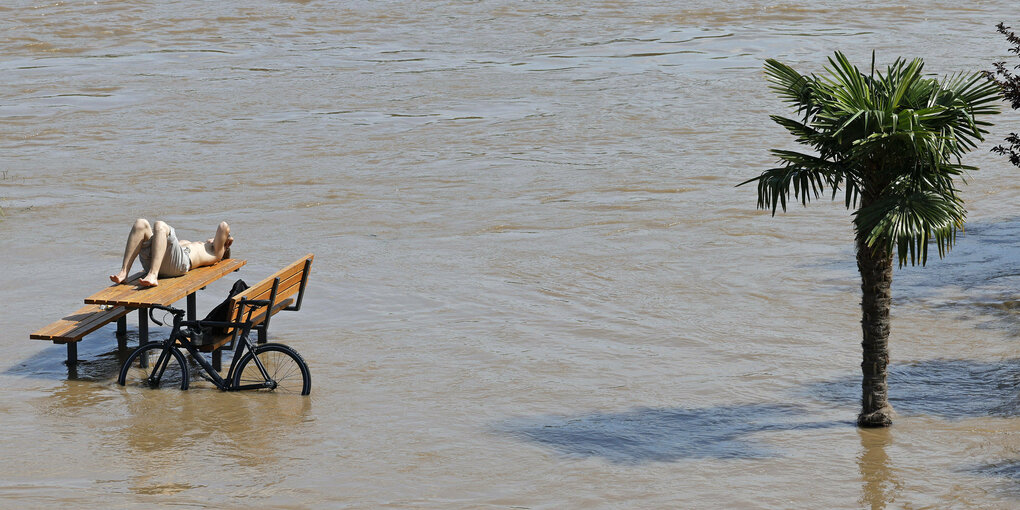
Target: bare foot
{"type": "Point", "coordinates": [119, 277]}
{"type": "Point", "coordinates": [148, 282]}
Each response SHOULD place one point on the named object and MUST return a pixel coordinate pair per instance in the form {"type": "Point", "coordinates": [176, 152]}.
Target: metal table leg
{"type": "Point", "coordinates": [143, 326]}
{"type": "Point", "coordinates": [122, 333]}
{"type": "Point", "coordinates": [192, 315]}
{"type": "Point", "coordinates": [72, 354]}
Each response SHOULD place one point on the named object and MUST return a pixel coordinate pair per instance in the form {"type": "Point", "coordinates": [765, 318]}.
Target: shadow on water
{"type": "Point", "coordinates": [96, 360]}
{"type": "Point", "coordinates": [951, 389]}
{"type": "Point", "coordinates": [947, 388]}
{"type": "Point", "coordinates": [665, 435]}
{"type": "Point", "coordinates": [977, 279]}
{"type": "Point", "coordinates": [100, 355]}
{"type": "Point", "coordinates": [985, 258]}
{"type": "Point", "coordinates": [1007, 471]}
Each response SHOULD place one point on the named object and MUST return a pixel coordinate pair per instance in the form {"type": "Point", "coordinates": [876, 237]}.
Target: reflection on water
{"type": "Point", "coordinates": [239, 434]}
{"type": "Point", "coordinates": [72, 397]}
{"type": "Point", "coordinates": [881, 486]}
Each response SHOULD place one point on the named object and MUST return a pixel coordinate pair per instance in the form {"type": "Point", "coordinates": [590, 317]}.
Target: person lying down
{"type": "Point", "coordinates": [163, 255]}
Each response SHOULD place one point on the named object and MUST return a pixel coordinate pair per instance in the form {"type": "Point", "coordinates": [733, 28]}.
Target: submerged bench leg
{"type": "Point", "coordinates": [72, 354]}
{"type": "Point", "coordinates": [217, 359]}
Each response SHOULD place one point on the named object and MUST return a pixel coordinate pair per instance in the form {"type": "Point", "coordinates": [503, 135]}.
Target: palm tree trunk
{"type": "Point", "coordinates": [876, 267]}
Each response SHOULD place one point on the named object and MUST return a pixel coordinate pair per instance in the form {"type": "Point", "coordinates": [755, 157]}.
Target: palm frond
{"type": "Point", "coordinates": [804, 133]}
{"type": "Point", "coordinates": [906, 224]}
{"type": "Point", "coordinates": [790, 85]}
{"type": "Point", "coordinates": [803, 176]}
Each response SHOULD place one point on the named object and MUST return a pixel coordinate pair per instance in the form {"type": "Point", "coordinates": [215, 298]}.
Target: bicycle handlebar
{"type": "Point", "coordinates": [178, 312]}
{"type": "Point", "coordinates": [175, 311]}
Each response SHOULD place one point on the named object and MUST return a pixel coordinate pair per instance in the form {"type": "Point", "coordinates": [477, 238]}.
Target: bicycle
{"type": "Point", "coordinates": [268, 367]}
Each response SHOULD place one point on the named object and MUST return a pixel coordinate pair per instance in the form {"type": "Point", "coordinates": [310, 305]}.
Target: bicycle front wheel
{"type": "Point", "coordinates": [285, 371]}
{"type": "Point", "coordinates": [145, 368]}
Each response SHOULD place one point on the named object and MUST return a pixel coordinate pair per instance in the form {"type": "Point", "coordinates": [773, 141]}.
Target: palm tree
{"type": "Point", "coordinates": [892, 143]}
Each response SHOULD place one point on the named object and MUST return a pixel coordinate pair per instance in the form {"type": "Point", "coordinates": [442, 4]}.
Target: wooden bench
{"type": "Point", "coordinates": [279, 289]}
{"type": "Point", "coordinates": [72, 328]}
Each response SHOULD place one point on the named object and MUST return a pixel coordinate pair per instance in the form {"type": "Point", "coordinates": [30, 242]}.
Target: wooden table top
{"type": "Point", "coordinates": [169, 290]}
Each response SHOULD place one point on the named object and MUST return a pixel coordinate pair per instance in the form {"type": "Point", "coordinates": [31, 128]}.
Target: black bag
{"type": "Point", "coordinates": [219, 313]}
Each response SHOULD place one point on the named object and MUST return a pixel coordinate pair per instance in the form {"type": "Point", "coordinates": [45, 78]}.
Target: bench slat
{"type": "Point", "coordinates": [78, 324]}
{"type": "Point", "coordinates": [290, 282]}
{"type": "Point", "coordinates": [288, 287]}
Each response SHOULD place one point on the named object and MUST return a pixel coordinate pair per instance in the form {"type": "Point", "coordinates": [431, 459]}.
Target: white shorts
{"type": "Point", "coordinates": [176, 260]}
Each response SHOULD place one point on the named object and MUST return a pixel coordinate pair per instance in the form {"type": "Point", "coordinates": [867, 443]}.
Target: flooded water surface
{"type": "Point", "coordinates": [535, 284]}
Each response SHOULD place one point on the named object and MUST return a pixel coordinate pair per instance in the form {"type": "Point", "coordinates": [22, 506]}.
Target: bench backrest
{"type": "Point", "coordinates": [278, 287]}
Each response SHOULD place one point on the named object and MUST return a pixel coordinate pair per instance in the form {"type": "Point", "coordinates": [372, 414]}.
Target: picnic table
{"type": "Point", "coordinates": [169, 291]}
{"type": "Point", "coordinates": [115, 301]}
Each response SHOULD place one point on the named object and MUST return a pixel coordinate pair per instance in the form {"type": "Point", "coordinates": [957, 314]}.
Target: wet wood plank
{"type": "Point", "coordinates": [290, 282]}
{"type": "Point", "coordinates": [80, 323]}
{"type": "Point", "coordinates": [169, 290]}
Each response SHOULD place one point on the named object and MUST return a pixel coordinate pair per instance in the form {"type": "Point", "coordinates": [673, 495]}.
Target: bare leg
{"type": "Point", "coordinates": [160, 231]}
{"type": "Point", "coordinates": [140, 231]}
{"type": "Point", "coordinates": [222, 240]}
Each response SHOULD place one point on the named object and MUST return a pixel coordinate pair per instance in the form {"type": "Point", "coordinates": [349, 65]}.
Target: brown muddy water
{"type": "Point", "coordinates": [535, 283]}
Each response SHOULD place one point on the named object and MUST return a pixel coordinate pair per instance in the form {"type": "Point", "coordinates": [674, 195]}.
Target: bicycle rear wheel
{"type": "Point", "coordinates": [143, 369]}
{"type": "Point", "coordinates": [287, 372]}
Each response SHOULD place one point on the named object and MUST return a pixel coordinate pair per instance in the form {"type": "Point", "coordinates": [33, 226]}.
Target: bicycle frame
{"type": "Point", "coordinates": [240, 339]}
